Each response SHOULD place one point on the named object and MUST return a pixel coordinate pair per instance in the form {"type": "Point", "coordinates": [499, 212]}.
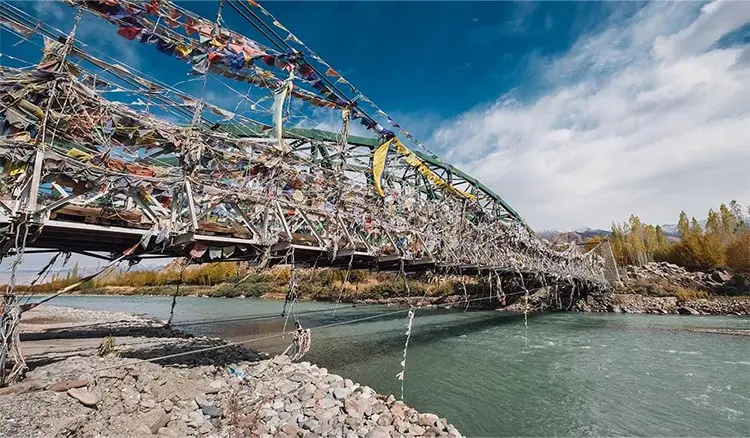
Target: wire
{"type": "Point", "coordinates": [277, 335]}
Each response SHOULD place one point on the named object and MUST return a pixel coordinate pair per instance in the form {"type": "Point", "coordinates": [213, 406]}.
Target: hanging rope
{"type": "Point", "coordinates": [343, 284]}
{"type": "Point", "coordinates": [400, 375]}
{"type": "Point", "coordinates": [176, 293]}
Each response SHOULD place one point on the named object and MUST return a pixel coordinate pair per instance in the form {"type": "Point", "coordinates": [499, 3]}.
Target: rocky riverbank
{"type": "Point", "coordinates": [222, 392]}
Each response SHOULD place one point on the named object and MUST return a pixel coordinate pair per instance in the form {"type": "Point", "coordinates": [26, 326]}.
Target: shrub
{"type": "Point", "coordinates": [697, 252]}
{"type": "Point", "coordinates": [686, 294]}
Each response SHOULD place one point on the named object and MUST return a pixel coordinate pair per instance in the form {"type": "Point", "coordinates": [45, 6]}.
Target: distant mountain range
{"type": "Point", "coordinates": [580, 235]}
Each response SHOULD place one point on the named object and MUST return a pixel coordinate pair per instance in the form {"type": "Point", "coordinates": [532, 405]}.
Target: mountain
{"type": "Point", "coordinates": [578, 235]}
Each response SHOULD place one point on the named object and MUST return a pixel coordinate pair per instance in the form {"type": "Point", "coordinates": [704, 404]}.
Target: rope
{"type": "Point", "coordinates": [400, 375]}
{"type": "Point", "coordinates": [176, 293]}
{"type": "Point", "coordinates": [272, 336]}
{"type": "Point", "coordinates": [343, 284]}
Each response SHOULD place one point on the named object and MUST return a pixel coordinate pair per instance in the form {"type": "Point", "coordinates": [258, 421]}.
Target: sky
{"type": "Point", "coordinates": [577, 113]}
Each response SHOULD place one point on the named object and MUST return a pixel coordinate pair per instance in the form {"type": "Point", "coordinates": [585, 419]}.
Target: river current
{"type": "Point", "coordinates": [490, 374]}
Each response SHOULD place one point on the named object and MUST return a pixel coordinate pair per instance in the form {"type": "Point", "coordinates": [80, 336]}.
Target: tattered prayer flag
{"type": "Point", "coordinates": [378, 165]}
{"type": "Point", "coordinates": [280, 26]}
{"type": "Point", "coordinates": [253, 3]}
{"type": "Point", "coordinates": [332, 72]}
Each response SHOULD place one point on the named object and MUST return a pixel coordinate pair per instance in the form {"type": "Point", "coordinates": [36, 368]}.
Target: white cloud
{"type": "Point", "coordinates": [647, 116]}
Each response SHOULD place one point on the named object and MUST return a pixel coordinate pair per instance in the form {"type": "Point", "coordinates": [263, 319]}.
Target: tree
{"type": "Point", "coordinates": [683, 225]}
{"type": "Point", "coordinates": [695, 228]}
{"type": "Point", "coordinates": [728, 221]}
{"type": "Point", "coordinates": [714, 224]}
{"type": "Point", "coordinates": [739, 219]}
{"type": "Point", "coordinates": [698, 252]}
{"type": "Point", "coordinates": [738, 253]}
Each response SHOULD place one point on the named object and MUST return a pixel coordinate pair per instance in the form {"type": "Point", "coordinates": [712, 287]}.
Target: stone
{"type": "Point", "coordinates": [278, 405]}
{"type": "Point", "coordinates": [348, 383]}
{"type": "Point", "coordinates": [432, 432]}
{"type": "Point", "coordinates": [379, 432]}
{"type": "Point", "coordinates": [452, 431]}
{"type": "Point", "coordinates": [214, 387]}
{"type": "Point", "coordinates": [291, 407]}
{"type": "Point", "coordinates": [130, 398]}
{"type": "Point", "coordinates": [282, 359]}
{"type": "Point", "coordinates": [311, 424]}
{"type": "Point", "coordinates": [211, 410]}
{"type": "Point", "coordinates": [84, 396]}
{"type": "Point", "coordinates": [353, 408]}
{"type": "Point", "coordinates": [196, 419]}
{"type": "Point", "coordinates": [267, 413]}
{"type": "Point", "coordinates": [22, 387]}
{"type": "Point", "coordinates": [327, 403]}
{"type": "Point", "coordinates": [148, 403]}
{"type": "Point", "coordinates": [206, 428]}
{"type": "Point", "coordinates": [307, 391]}
{"type": "Point", "coordinates": [398, 410]}
{"type": "Point", "coordinates": [65, 385]}
{"type": "Point", "coordinates": [154, 420]}
{"type": "Point", "coordinates": [340, 393]}
{"type": "Point", "coordinates": [287, 387]}
{"type": "Point", "coordinates": [685, 310]}
{"type": "Point", "coordinates": [416, 430]}
{"type": "Point", "coordinates": [143, 430]}
{"type": "Point", "coordinates": [401, 426]}
{"type": "Point", "coordinates": [288, 429]}
{"type": "Point", "coordinates": [385, 420]}
{"type": "Point", "coordinates": [167, 405]}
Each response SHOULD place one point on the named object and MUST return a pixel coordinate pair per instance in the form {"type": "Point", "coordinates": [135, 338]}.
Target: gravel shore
{"type": "Point", "coordinates": [224, 392]}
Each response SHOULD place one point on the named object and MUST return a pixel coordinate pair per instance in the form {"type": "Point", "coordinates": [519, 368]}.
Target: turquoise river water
{"type": "Point", "coordinates": [565, 374]}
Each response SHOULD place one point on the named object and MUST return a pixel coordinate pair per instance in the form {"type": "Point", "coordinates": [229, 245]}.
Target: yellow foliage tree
{"type": "Point", "coordinates": [738, 253]}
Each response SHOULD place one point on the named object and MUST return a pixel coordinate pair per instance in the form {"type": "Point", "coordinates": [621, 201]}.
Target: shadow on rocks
{"type": "Point", "coordinates": [106, 329]}
{"type": "Point", "coordinates": [181, 352]}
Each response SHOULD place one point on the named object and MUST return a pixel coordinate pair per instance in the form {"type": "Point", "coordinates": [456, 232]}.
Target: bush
{"type": "Point", "coordinates": [686, 294]}
{"type": "Point", "coordinates": [697, 252]}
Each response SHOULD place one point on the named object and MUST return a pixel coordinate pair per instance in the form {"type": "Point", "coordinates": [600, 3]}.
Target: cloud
{"type": "Point", "coordinates": [519, 22]}
{"type": "Point", "coordinates": [647, 116]}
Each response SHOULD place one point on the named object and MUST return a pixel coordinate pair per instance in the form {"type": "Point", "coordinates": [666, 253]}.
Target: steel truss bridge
{"type": "Point", "coordinates": [85, 173]}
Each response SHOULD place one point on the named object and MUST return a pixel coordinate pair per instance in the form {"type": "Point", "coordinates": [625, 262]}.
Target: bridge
{"type": "Point", "coordinates": [165, 173]}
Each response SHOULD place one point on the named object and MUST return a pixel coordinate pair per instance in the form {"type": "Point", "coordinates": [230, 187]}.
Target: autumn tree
{"type": "Point", "coordinates": [738, 253]}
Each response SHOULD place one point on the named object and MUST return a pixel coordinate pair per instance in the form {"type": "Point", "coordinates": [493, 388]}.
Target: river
{"type": "Point", "coordinates": [565, 374]}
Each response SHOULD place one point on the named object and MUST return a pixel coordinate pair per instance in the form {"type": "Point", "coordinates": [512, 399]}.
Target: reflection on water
{"type": "Point", "coordinates": [567, 374]}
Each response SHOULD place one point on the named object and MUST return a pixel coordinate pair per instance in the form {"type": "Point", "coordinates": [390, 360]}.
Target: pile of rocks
{"type": "Point", "coordinates": [91, 396]}
{"type": "Point", "coordinates": [676, 275]}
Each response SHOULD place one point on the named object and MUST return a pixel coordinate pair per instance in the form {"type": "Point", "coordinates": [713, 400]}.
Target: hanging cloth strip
{"type": "Point", "coordinates": [379, 158]}
{"type": "Point", "coordinates": [279, 98]}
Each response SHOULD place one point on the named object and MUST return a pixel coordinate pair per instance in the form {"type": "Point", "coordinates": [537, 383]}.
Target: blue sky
{"type": "Point", "coordinates": [578, 113]}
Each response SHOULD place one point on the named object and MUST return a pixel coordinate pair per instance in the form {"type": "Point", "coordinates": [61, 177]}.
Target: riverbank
{"type": "Point", "coordinates": [223, 391]}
